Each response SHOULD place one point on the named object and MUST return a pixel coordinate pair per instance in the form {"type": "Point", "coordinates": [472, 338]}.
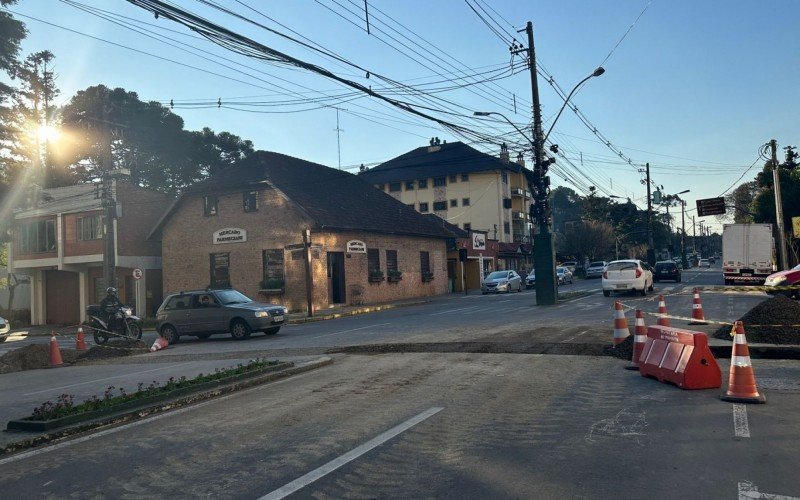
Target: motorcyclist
{"type": "Point", "coordinates": [110, 306]}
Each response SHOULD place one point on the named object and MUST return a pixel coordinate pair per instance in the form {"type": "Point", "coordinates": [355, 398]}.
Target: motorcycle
{"type": "Point", "coordinates": [124, 324]}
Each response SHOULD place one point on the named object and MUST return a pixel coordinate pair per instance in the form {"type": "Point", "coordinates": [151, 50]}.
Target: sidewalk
{"type": "Point", "coordinates": [341, 311]}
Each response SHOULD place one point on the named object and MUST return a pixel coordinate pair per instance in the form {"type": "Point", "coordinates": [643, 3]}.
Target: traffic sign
{"type": "Point", "coordinates": [137, 274]}
{"type": "Point", "coordinates": [711, 206]}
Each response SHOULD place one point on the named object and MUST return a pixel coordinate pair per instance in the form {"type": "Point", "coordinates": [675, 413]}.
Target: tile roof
{"type": "Point", "coordinates": [333, 199]}
{"type": "Point", "coordinates": [436, 161]}
{"type": "Point", "coordinates": [67, 199]}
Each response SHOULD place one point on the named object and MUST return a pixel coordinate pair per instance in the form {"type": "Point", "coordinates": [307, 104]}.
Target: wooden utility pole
{"type": "Point", "coordinates": [108, 201]}
{"type": "Point", "coordinates": [773, 144]}
{"type": "Point", "coordinates": [309, 276]}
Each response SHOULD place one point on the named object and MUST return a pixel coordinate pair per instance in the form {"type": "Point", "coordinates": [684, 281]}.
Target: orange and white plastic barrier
{"type": "Point", "coordinates": [621, 331]}
{"type": "Point", "coordinates": [742, 386]}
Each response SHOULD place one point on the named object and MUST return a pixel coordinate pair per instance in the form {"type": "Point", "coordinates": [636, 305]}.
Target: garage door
{"type": "Point", "coordinates": [61, 295]}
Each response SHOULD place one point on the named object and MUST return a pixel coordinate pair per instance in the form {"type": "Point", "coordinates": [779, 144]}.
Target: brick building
{"type": "Point", "coordinates": [58, 243]}
{"type": "Point", "coordinates": [245, 229]}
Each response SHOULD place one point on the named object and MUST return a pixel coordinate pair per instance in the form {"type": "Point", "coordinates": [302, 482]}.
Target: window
{"type": "Point", "coordinates": [506, 202]}
{"type": "Point", "coordinates": [504, 176]}
{"type": "Point", "coordinates": [453, 178]}
{"type": "Point", "coordinates": [38, 237]}
{"type": "Point", "coordinates": [373, 260]}
{"type": "Point", "coordinates": [439, 205]}
{"type": "Point", "coordinates": [453, 203]}
{"type": "Point", "coordinates": [409, 185]}
{"type": "Point", "coordinates": [209, 205]}
{"type": "Point", "coordinates": [507, 228]}
{"type": "Point", "coordinates": [425, 263]}
{"type": "Point", "coordinates": [464, 202]}
{"type": "Point", "coordinates": [391, 261]}
{"type": "Point", "coordinates": [272, 268]}
{"type": "Point", "coordinates": [412, 206]}
{"type": "Point", "coordinates": [439, 182]}
{"type": "Point", "coordinates": [250, 201]}
{"type": "Point", "coordinates": [177, 302]}
{"type": "Point", "coordinates": [422, 184]}
{"type": "Point", "coordinates": [220, 267]}
{"type": "Point", "coordinates": [395, 186]}
{"type": "Point", "coordinates": [89, 228]}
{"type": "Point", "coordinates": [423, 207]}
{"type": "Point", "coordinates": [467, 226]}
{"type": "Point", "coordinates": [464, 177]}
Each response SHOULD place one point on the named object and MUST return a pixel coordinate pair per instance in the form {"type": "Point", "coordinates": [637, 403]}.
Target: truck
{"type": "Point", "coordinates": [747, 253]}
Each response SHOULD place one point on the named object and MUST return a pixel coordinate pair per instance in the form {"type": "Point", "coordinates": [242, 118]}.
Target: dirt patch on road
{"type": "Point", "coordinates": [37, 356]}
{"type": "Point", "coordinates": [781, 314]}
{"type": "Point", "coordinates": [477, 347]}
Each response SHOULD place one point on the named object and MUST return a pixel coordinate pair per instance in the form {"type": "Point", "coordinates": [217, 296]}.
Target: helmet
{"type": "Point", "coordinates": [111, 291]}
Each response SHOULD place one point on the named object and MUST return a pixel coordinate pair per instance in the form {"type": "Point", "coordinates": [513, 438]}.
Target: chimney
{"type": "Point", "coordinates": [434, 145]}
{"type": "Point", "coordinates": [520, 159]}
{"type": "Point", "coordinates": [504, 152]}
{"type": "Point", "coordinates": [362, 168]}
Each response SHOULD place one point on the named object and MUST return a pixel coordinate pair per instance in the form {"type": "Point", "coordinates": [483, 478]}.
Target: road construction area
{"type": "Point", "coordinates": [386, 422]}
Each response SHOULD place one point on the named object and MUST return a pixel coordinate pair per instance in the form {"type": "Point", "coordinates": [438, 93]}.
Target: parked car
{"type": "Point", "coordinates": [789, 277]}
{"type": "Point", "coordinates": [5, 327]}
{"type": "Point", "coordinates": [571, 265]}
{"type": "Point", "coordinates": [202, 313]}
{"type": "Point", "coordinates": [667, 270]}
{"type": "Point", "coordinates": [530, 280]}
{"type": "Point", "coordinates": [712, 260]}
{"type": "Point", "coordinates": [564, 275]}
{"type": "Point", "coordinates": [501, 281]}
{"type": "Point", "coordinates": [703, 263]}
{"type": "Point", "coordinates": [626, 275]}
{"type": "Point", "coordinates": [595, 269]}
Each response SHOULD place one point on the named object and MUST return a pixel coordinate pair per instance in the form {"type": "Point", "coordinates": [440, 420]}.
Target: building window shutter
{"type": "Point", "coordinates": [220, 270]}
{"type": "Point", "coordinates": [425, 263]}
{"type": "Point", "coordinates": [391, 260]}
{"type": "Point", "coordinates": [272, 268]}
{"type": "Point", "coordinates": [250, 201]}
{"type": "Point", "coordinates": [373, 260]}
{"type": "Point", "coordinates": [209, 205]}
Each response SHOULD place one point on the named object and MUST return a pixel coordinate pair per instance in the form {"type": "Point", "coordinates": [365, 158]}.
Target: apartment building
{"type": "Point", "coordinates": [465, 187]}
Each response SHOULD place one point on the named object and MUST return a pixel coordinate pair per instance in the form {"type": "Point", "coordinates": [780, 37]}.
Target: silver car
{"type": "Point", "coordinates": [564, 275]}
{"type": "Point", "coordinates": [595, 269]}
{"type": "Point", "coordinates": [5, 327]}
{"type": "Point", "coordinates": [501, 281]}
{"type": "Point", "coordinates": [202, 313]}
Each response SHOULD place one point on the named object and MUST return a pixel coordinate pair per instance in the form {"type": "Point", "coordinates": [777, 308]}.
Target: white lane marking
{"type": "Point", "coordinates": [146, 420]}
{"type": "Point", "coordinates": [348, 457]}
{"type": "Point", "coordinates": [748, 490]}
{"type": "Point", "coordinates": [454, 310]}
{"type": "Point", "coordinates": [107, 378]}
{"type": "Point", "coordinates": [348, 331]}
{"type": "Point", "coordinates": [667, 289]}
{"type": "Point", "coordinates": [740, 427]}
{"type": "Point", "coordinates": [574, 336]}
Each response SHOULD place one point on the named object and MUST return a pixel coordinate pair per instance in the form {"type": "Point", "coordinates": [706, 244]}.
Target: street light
{"type": "Point", "coordinates": [543, 249]}
{"type": "Point", "coordinates": [489, 113]}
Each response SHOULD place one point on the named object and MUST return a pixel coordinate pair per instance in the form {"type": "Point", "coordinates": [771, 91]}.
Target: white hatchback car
{"type": "Point", "coordinates": [626, 275]}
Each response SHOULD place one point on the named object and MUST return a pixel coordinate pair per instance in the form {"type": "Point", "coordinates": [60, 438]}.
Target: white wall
{"type": "Point", "coordinates": [22, 294]}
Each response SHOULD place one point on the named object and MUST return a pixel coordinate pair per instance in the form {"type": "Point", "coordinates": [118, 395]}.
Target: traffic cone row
{"type": "Point", "coordinates": [697, 310]}
{"type": "Point", "coordinates": [663, 320]}
{"type": "Point", "coordinates": [741, 379]}
{"type": "Point", "coordinates": [621, 331]}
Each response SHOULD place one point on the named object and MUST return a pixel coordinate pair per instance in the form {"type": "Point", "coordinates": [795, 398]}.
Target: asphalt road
{"type": "Point", "coordinates": [439, 426]}
{"type": "Point", "coordinates": [428, 425]}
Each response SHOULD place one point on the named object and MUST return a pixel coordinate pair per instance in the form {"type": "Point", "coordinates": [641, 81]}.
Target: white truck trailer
{"type": "Point", "coordinates": [747, 253]}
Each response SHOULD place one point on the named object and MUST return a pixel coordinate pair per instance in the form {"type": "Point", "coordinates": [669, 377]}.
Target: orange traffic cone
{"type": "Point", "coordinates": [697, 310]}
{"type": "Point", "coordinates": [741, 379]}
{"type": "Point", "coordinates": [55, 352]}
{"type": "Point", "coordinates": [663, 320]}
{"type": "Point", "coordinates": [621, 331]}
{"type": "Point", "coordinates": [639, 340]}
{"type": "Point", "coordinates": [160, 343]}
{"type": "Point", "coordinates": [80, 342]}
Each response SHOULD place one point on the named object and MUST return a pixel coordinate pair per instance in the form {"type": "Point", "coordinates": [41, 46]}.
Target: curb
{"type": "Point", "coordinates": [355, 312]}
{"type": "Point", "coordinates": [144, 412]}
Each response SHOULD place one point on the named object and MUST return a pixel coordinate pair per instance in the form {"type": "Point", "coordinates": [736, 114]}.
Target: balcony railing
{"type": "Point", "coordinates": [518, 215]}
{"type": "Point", "coordinates": [517, 192]}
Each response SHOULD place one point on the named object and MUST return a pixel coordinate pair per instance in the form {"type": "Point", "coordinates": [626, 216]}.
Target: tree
{"type": "Point", "coordinates": [13, 33]}
{"type": "Point", "coordinates": [593, 240]}
{"type": "Point", "coordinates": [10, 281]}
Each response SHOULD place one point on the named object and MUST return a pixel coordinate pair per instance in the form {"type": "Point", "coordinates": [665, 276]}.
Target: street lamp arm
{"type": "Point", "coordinates": [597, 72]}
{"type": "Point", "coordinates": [488, 113]}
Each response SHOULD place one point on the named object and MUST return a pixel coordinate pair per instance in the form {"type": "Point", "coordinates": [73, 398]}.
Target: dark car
{"type": "Point", "coordinates": [667, 270]}
{"type": "Point", "coordinates": [202, 313]}
{"type": "Point", "coordinates": [776, 282]}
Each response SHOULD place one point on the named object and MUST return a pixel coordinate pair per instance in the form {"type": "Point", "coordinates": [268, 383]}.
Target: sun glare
{"type": "Point", "coordinates": [48, 133]}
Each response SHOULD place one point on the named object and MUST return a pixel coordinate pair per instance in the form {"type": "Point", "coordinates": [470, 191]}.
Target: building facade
{"type": "Point", "coordinates": [463, 186]}
{"type": "Point", "coordinates": [58, 244]}
{"type": "Point", "coordinates": [278, 224]}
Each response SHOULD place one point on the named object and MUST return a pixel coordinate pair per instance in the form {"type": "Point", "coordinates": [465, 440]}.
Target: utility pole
{"type": "Point", "coordinates": [773, 144]}
{"type": "Point", "coordinates": [544, 257]}
{"type": "Point", "coordinates": [338, 140]}
{"type": "Point", "coordinates": [683, 234]}
{"type": "Point", "coordinates": [694, 236]}
{"type": "Point", "coordinates": [108, 202]}
{"type": "Point", "coordinates": [651, 251]}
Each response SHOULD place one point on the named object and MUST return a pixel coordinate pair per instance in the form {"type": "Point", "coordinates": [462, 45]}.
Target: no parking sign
{"type": "Point", "coordinates": [137, 274]}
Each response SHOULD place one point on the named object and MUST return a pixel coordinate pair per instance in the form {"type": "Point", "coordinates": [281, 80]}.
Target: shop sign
{"type": "Point", "coordinates": [478, 241]}
{"type": "Point", "coordinates": [230, 235]}
{"type": "Point", "coordinates": [356, 246]}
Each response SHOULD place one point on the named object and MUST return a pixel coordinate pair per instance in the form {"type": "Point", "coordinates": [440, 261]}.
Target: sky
{"type": "Point", "coordinates": [694, 88]}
